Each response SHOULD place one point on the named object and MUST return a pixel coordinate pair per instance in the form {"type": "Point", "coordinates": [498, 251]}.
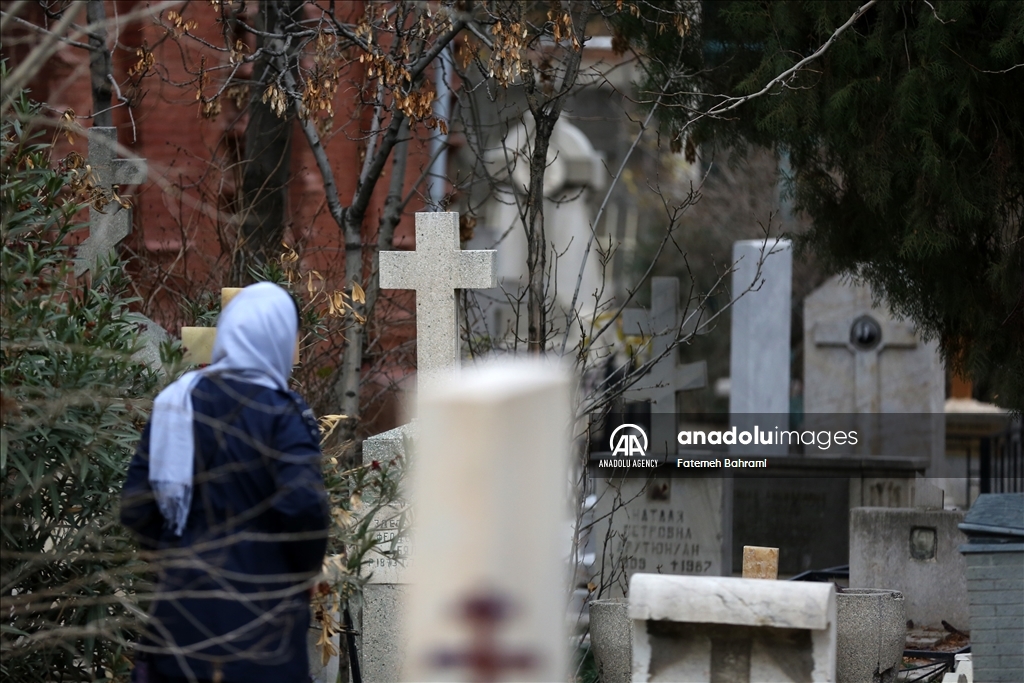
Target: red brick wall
{"type": "Point", "coordinates": [181, 209]}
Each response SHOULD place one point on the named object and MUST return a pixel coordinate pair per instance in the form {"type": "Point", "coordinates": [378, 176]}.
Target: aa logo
{"type": "Point", "coordinates": [632, 441]}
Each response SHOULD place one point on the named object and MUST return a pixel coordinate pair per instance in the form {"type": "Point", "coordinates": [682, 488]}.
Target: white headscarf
{"type": "Point", "coordinates": [255, 343]}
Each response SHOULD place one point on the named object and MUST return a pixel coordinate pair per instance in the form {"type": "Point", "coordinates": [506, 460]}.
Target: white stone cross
{"type": "Point", "coordinates": [487, 601]}
{"type": "Point", "coordinates": [435, 271]}
{"type": "Point", "coordinates": [866, 337]}
{"type": "Point", "coordinates": [113, 223]}
{"type": "Point", "coordinates": [666, 376]}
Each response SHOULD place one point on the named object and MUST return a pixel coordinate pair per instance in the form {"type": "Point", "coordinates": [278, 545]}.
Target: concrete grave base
{"type": "Point", "coordinates": [704, 629]}
{"type": "Point", "coordinates": [383, 652]}
{"type": "Point", "coordinates": [872, 628]}
{"type": "Point", "coordinates": [915, 552]}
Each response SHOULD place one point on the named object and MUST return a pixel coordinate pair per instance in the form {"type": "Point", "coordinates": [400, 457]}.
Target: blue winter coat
{"type": "Point", "coordinates": [233, 590]}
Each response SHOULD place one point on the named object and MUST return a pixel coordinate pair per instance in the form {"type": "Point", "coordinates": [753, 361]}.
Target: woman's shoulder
{"type": "Point", "coordinates": [229, 390]}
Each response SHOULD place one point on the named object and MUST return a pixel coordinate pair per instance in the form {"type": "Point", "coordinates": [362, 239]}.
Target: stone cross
{"type": "Point", "coordinates": [198, 341]}
{"type": "Point", "coordinates": [667, 376]}
{"type": "Point", "coordinates": [435, 271]}
{"type": "Point", "coordinates": [866, 338]}
{"type": "Point", "coordinates": [113, 223]}
{"type": "Point", "coordinates": [487, 598]}
{"type": "Point", "coordinates": [484, 659]}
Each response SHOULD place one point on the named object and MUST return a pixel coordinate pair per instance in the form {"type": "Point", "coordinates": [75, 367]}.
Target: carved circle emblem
{"type": "Point", "coordinates": [865, 333]}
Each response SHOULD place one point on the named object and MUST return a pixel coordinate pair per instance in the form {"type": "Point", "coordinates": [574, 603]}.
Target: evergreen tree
{"type": "Point", "coordinates": [905, 140]}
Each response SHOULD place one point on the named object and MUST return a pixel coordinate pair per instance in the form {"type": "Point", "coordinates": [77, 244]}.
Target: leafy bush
{"type": "Point", "coordinates": [74, 399]}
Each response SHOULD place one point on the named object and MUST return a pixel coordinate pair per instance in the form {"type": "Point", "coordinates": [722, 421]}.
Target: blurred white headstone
{"type": "Point", "coordinates": [487, 600]}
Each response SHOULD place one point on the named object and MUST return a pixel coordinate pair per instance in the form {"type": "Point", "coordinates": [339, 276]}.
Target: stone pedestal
{"type": "Point", "coordinates": [871, 631]}
{"type": "Point", "coordinates": [611, 640]}
{"type": "Point", "coordinates": [384, 643]}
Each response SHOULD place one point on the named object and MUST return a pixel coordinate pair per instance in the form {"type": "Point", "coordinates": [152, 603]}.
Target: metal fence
{"type": "Point", "coordinates": [1001, 462]}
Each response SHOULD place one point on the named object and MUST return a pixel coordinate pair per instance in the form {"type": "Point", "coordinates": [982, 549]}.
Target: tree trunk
{"type": "Point", "coordinates": [99, 64]}
{"type": "Point", "coordinates": [536, 237]}
{"type": "Point", "coordinates": [267, 150]}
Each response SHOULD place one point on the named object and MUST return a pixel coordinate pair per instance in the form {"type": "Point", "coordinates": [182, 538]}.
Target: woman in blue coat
{"type": "Point", "coordinates": [226, 487]}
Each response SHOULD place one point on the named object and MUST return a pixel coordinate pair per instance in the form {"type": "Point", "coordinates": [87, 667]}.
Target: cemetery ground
{"type": "Point", "coordinates": [484, 539]}
{"type": "Point", "coordinates": [491, 588]}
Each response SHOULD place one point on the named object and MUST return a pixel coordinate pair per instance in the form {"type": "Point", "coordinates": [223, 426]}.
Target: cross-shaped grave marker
{"type": "Point", "coordinates": [112, 224]}
{"type": "Point", "coordinates": [487, 596]}
{"type": "Point", "coordinates": [866, 338]}
{"type": "Point", "coordinates": [484, 659]}
{"type": "Point", "coordinates": [198, 341]}
{"type": "Point", "coordinates": [435, 271]}
{"type": "Point", "coordinates": [667, 376]}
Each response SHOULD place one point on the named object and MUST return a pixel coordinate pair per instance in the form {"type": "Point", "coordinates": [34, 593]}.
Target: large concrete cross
{"type": "Point", "coordinates": [667, 376]}
{"type": "Point", "coordinates": [435, 271]}
{"type": "Point", "coordinates": [112, 224]}
{"type": "Point", "coordinates": [866, 338]}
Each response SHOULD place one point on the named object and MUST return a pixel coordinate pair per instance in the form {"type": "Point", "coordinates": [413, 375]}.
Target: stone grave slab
{"type": "Point", "coordinates": [667, 526]}
{"type": "Point", "coordinates": [436, 270]}
{"type": "Point", "coordinates": [198, 341]}
{"type": "Point", "coordinates": [664, 323]}
{"type": "Point", "coordinates": [860, 360]}
{"type": "Point", "coordinates": [677, 526]}
{"type": "Point", "coordinates": [759, 353]}
{"type": "Point", "coordinates": [111, 224]}
{"type": "Point", "coordinates": [696, 629]}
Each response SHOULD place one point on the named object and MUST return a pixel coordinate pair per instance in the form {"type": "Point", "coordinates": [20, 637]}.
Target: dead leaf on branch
{"type": "Point", "coordinates": [69, 125]}
{"type": "Point", "coordinates": [358, 295]}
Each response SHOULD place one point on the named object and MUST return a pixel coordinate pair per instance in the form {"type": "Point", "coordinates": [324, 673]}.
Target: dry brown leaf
{"type": "Point", "coordinates": [358, 294]}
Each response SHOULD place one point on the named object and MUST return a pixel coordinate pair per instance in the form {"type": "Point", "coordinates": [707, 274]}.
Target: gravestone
{"type": "Point", "coordinates": [759, 350]}
{"type": "Point", "coordinates": [871, 635]}
{"type": "Point", "coordinates": [198, 341]}
{"type": "Point", "coordinates": [913, 551]}
{"type": "Point", "coordinates": [436, 270]}
{"type": "Point", "coordinates": [573, 169]}
{"type": "Point", "coordinates": [861, 361]}
{"type": "Point", "coordinates": [694, 629]}
{"type": "Point", "coordinates": [663, 324]}
{"type": "Point", "coordinates": [111, 224]}
{"type": "Point", "coordinates": [487, 600]}
{"type": "Point", "coordinates": [675, 526]}
{"type": "Point", "coordinates": [667, 526]}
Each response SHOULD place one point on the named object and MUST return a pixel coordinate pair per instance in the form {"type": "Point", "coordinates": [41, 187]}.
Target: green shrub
{"type": "Point", "coordinates": [74, 400]}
